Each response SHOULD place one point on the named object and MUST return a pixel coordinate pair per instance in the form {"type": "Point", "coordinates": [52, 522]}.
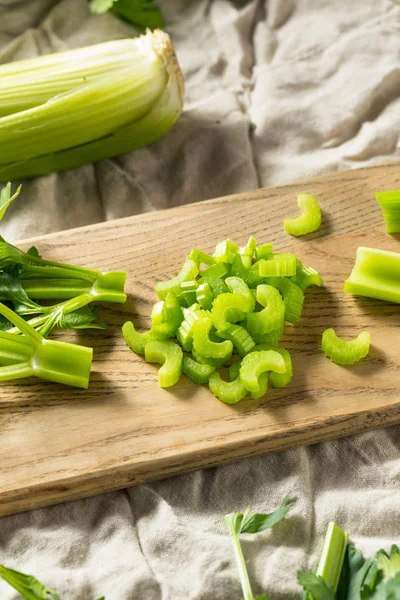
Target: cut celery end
{"type": "Point", "coordinates": [227, 309]}
{"type": "Point", "coordinates": [278, 265]}
{"type": "Point", "coordinates": [63, 363]}
{"type": "Point", "coordinates": [239, 337]}
{"type": "Point", "coordinates": [109, 287]}
{"type": "Point", "coordinates": [332, 556]}
{"type": "Point", "coordinates": [255, 363]}
{"type": "Point", "coordinates": [278, 380]}
{"type": "Point", "coordinates": [293, 297]}
{"type": "Point", "coordinates": [264, 251]}
{"type": "Point", "coordinates": [389, 203]}
{"type": "Point", "coordinates": [202, 343]}
{"type": "Point", "coordinates": [263, 386]}
{"type": "Point", "coordinates": [376, 274]}
{"type": "Point", "coordinates": [201, 257]}
{"type": "Point", "coordinates": [188, 272]}
{"type": "Point", "coordinates": [309, 221]}
{"type": "Point", "coordinates": [225, 251]}
{"type": "Point", "coordinates": [170, 356]}
{"type": "Point", "coordinates": [344, 352]}
{"type": "Point", "coordinates": [135, 340]}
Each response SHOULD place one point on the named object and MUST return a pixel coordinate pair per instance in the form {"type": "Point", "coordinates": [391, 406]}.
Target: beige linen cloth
{"type": "Point", "coordinates": [320, 79]}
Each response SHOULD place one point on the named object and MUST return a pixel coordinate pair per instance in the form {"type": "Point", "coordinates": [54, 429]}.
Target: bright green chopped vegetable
{"type": "Point", "coordinates": [219, 270]}
{"type": "Point", "coordinates": [199, 373]}
{"type": "Point", "coordinates": [249, 275]}
{"type": "Point", "coordinates": [278, 380]}
{"type": "Point", "coordinates": [205, 296]}
{"type": "Point", "coordinates": [236, 285]}
{"type": "Point", "coordinates": [228, 308]}
{"type": "Point", "coordinates": [239, 337]}
{"type": "Point", "coordinates": [342, 352]}
{"type": "Point", "coordinates": [225, 251]}
{"type": "Point", "coordinates": [70, 108]}
{"type": "Point", "coordinates": [202, 343]}
{"type": "Point", "coordinates": [263, 386]}
{"type": "Point", "coordinates": [264, 251]}
{"type": "Point", "coordinates": [376, 274]}
{"type": "Point", "coordinates": [201, 257]}
{"type": "Point", "coordinates": [238, 523]}
{"type": "Point", "coordinates": [306, 276]}
{"type": "Point", "coordinates": [256, 363]}
{"type": "Point", "coordinates": [250, 248]}
{"type": "Point", "coordinates": [280, 264]}
{"type": "Point", "coordinates": [271, 317]}
{"type": "Point", "coordinates": [167, 316]}
{"type": "Point", "coordinates": [170, 356]}
{"type": "Point", "coordinates": [390, 206]}
{"type": "Point", "coordinates": [234, 370]}
{"type": "Point", "coordinates": [189, 289]}
{"type": "Point", "coordinates": [6, 198]}
{"type": "Point", "coordinates": [137, 341]}
{"type": "Point", "coordinates": [184, 333]}
{"type": "Point", "coordinates": [30, 354]}
{"type": "Point", "coordinates": [293, 297]}
{"type": "Point", "coordinates": [188, 272]}
{"type": "Point", "coordinates": [229, 392]}
{"type": "Point", "coordinates": [309, 221]}
{"type": "Point", "coordinates": [217, 363]}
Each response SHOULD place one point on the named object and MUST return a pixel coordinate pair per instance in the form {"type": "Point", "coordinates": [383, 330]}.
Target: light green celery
{"type": "Point", "coordinates": [218, 270]}
{"type": "Point", "coordinates": [306, 276]}
{"type": "Point", "coordinates": [204, 296]}
{"type": "Point", "coordinates": [269, 318]}
{"type": "Point", "coordinates": [216, 284]}
{"type": "Point", "coordinates": [376, 274]}
{"type": "Point", "coordinates": [239, 337]}
{"type": "Point", "coordinates": [184, 333]}
{"type": "Point", "coordinates": [167, 316]}
{"type": "Point", "coordinates": [225, 251]}
{"type": "Point", "coordinates": [200, 257]}
{"type": "Point", "coordinates": [390, 206]}
{"type": "Point", "coordinates": [263, 381]}
{"type": "Point", "coordinates": [188, 291]}
{"type": "Point", "coordinates": [227, 309]}
{"type": "Point", "coordinates": [236, 285]}
{"type": "Point", "coordinates": [342, 352]}
{"type": "Point", "coordinates": [202, 343]}
{"type": "Point", "coordinates": [309, 221]}
{"type": "Point", "coordinates": [199, 373]}
{"type": "Point", "coordinates": [155, 110]}
{"type": "Point", "coordinates": [137, 341]}
{"type": "Point", "coordinates": [255, 363]}
{"type": "Point", "coordinates": [280, 264]}
{"type": "Point", "coordinates": [278, 380]}
{"type": "Point", "coordinates": [6, 198]}
{"type": "Point", "coordinates": [264, 251]}
{"type": "Point", "coordinates": [170, 356]}
{"type": "Point", "coordinates": [249, 275]}
{"type": "Point", "coordinates": [188, 272]}
{"type": "Point", "coordinates": [332, 555]}
{"type": "Point", "coordinates": [293, 297]}
{"type": "Point", "coordinates": [52, 360]}
{"type": "Point", "coordinates": [229, 392]}
{"type": "Point", "coordinates": [250, 248]}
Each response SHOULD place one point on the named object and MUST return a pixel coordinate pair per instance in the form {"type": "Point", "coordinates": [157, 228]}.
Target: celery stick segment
{"type": "Point", "coordinates": [376, 274]}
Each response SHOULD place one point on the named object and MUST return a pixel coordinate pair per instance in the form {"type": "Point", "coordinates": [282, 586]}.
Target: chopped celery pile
{"type": "Point", "coordinates": [390, 207]}
{"type": "Point", "coordinates": [226, 310]}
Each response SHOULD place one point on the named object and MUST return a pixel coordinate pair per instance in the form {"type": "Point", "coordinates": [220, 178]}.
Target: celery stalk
{"type": "Point", "coordinates": [120, 109]}
{"type": "Point", "coordinates": [332, 556]}
{"type": "Point", "coordinates": [376, 274]}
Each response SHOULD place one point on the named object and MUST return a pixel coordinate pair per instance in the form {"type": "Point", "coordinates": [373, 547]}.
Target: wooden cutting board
{"type": "Point", "coordinates": [58, 443]}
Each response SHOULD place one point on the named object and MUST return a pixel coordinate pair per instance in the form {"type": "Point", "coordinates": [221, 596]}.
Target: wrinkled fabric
{"type": "Point", "coordinates": [320, 80]}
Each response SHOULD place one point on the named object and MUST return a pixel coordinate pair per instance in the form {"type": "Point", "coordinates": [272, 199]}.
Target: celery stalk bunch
{"type": "Point", "coordinates": [70, 108]}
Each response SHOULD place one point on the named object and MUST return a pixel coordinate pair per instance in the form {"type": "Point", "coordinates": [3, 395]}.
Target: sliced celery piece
{"type": "Point", "coordinates": [280, 264]}
{"type": "Point", "coordinates": [227, 309]}
{"type": "Point", "coordinates": [390, 206]}
{"type": "Point", "coordinates": [199, 373]}
{"type": "Point", "coordinates": [234, 370]}
{"type": "Point", "coordinates": [216, 284]}
{"type": "Point", "coordinates": [189, 289]}
{"type": "Point", "coordinates": [306, 276]}
{"type": "Point", "coordinates": [218, 270]}
{"type": "Point", "coordinates": [263, 386]}
{"type": "Point", "coordinates": [342, 352]}
{"type": "Point", "coordinates": [226, 251]}
{"type": "Point", "coordinates": [184, 333]}
{"type": "Point", "coordinates": [188, 272]}
{"type": "Point", "coordinates": [217, 363]}
{"type": "Point", "coordinates": [167, 316]}
{"type": "Point", "coordinates": [202, 343]}
{"type": "Point", "coordinates": [240, 338]}
{"type": "Point", "coordinates": [376, 274]}
{"type": "Point", "coordinates": [201, 257]}
{"type": "Point", "coordinates": [264, 251]}
{"type": "Point", "coordinates": [255, 363]}
{"type": "Point", "coordinates": [250, 248]}
{"type": "Point", "coordinates": [293, 297]}
{"type": "Point", "coordinates": [236, 285]}
{"type": "Point", "coordinates": [332, 555]}
{"type": "Point", "coordinates": [205, 296]}
{"type": "Point", "coordinates": [170, 356]}
{"type": "Point", "coordinates": [279, 380]}
{"type": "Point", "coordinates": [309, 221]}
{"type": "Point", "coordinates": [271, 317]}
{"type": "Point", "coordinates": [137, 341]}
{"type": "Point", "coordinates": [229, 392]}
{"type": "Point", "coordinates": [249, 275]}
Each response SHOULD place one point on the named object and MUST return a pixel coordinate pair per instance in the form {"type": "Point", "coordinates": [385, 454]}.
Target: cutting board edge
{"type": "Point", "coordinates": [129, 476]}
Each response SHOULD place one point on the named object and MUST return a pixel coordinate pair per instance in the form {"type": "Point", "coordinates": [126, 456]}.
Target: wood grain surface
{"type": "Point", "coordinates": [59, 443]}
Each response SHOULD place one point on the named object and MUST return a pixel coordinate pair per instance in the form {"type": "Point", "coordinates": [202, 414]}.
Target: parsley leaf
{"type": "Point", "coordinates": [315, 586]}
{"type": "Point", "coordinates": [6, 198]}
{"type": "Point", "coordinates": [142, 13]}
{"type": "Point", "coordinates": [27, 585]}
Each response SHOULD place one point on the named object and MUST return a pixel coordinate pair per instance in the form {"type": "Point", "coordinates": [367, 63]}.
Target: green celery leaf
{"type": "Point", "coordinates": [12, 290]}
{"type": "Point", "coordinates": [263, 597]}
{"type": "Point", "coordinates": [358, 578]}
{"type": "Point", "coordinates": [142, 13]}
{"type": "Point", "coordinates": [315, 586]}
{"type": "Point", "coordinates": [99, 7]}
{"type": "Point", "coordinates": [6, 198]}
{"type": "Point", "coordinates": [258, 522]}
{"type": "Point", "coordinates": [389, 565]}
{"type": "Point", "coordinates": [27, 585]}
{"type": "Point", "coordinates": [33, 251]}
{"type": "Point", "coordinates": [5, 324]}
{"type": "Point", "coordinates": [82, 318]}
{"type": "Point", "coordinates": [386, 590]}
